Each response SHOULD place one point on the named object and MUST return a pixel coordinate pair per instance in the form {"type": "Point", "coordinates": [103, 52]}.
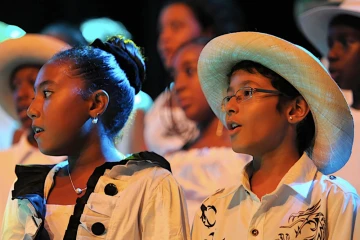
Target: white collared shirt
{"type": "Point", "coordinates": [305, 205]}
{"type": "Point", "coordinates": [149, 204]}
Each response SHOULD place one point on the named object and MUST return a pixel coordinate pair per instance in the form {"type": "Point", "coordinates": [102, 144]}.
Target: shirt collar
{"type": "Point", "coordinates": [299, 177]}
{"type": "Point", "coordinates": [245, 176]}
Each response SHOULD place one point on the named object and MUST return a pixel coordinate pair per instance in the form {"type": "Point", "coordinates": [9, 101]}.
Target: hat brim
{"type": "Point", "coordinates": [334, 127]}
{"type": "Point", "coordinates": [314, 24]}
{"type": "Point", "coordinates": [29, 49]}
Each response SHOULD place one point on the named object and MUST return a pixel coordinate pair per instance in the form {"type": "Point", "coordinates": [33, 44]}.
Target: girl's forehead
{"type": "Point", "coordinates": [55, 71]}
{"type": "Point", "coordinates": [61, 67]}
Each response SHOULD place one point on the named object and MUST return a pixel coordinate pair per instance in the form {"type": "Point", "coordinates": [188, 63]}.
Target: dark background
{"type": "Point", "coordinates": [139, 16]}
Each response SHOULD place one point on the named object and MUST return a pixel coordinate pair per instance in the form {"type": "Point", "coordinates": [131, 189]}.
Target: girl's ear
{"type": "Point", "coordinates": [99, 101]}
{"type": "Point", "coordinates": [298, 110]}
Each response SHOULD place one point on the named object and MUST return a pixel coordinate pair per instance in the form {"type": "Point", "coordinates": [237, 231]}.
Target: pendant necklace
{"type": "Point", "coordinates": [77, 190]}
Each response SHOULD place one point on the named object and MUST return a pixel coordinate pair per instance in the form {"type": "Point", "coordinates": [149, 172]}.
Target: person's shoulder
{"type": "Point", "coordinates": [144, 164]}
{"type": "Point", "coordinates": [338, 184]}
{"type": "Point", "coordinates": [340, 194]}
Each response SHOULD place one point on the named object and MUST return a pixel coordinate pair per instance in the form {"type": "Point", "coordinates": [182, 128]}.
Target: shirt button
{"type": "Point", "coordinates": [111, 189]}
{"type": "Point", "coordinates": [332, 177]}
{"type": "Point", "coordinates": [255, 232]}
{"type": "Point", "coordinates": [98, 228]}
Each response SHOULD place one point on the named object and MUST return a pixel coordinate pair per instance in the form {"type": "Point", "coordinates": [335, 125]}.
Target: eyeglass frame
{"type": "Point", "coordinates": [252, 90]}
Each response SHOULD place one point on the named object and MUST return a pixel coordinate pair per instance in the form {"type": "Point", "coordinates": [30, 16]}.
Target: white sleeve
{"type": "Point", "coordinates": [165, 214]}
{"type": "Point", "coordinates": [20, 220]}
{"type": "Point", "coordinates": [344, 216]}
{"type": "Point", "coordinates": [11, 226]}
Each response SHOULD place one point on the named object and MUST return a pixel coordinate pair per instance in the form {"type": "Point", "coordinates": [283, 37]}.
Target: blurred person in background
{"type": "Point", "coordinates": [66, 32]}
{"type": "Point", "coordinates": [335, 32]}
{"type": "Point", "coordinates": [166, 127]}
{"type": "Point", "coordinates": [8, 125]}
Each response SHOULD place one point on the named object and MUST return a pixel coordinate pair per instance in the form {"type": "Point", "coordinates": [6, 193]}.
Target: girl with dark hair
{"type": "Point", "coordinates": [83, 98]}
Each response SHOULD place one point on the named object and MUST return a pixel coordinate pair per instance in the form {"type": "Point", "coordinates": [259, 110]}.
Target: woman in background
{"type": "Point", "coordinates": [166, 127]}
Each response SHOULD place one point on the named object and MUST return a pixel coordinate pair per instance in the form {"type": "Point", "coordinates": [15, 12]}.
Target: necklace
{"type": "Point", "coordinates": [77, 190]}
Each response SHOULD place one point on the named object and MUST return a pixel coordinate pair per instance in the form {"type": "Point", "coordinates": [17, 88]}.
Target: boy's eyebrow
{"type": "Point", "coordinates": [230, 89]}
{"type": "Point", "coordinates": [44, 83]}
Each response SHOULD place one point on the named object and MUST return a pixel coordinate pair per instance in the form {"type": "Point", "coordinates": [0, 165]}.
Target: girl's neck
{"type": "Point", "coordinates": [95, 154]}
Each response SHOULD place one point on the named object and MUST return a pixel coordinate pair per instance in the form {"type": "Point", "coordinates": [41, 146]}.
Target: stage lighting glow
{"type": "Point", "coordinates": [102, 28]}
{"type": "Point", "coordinates": [10, 31]}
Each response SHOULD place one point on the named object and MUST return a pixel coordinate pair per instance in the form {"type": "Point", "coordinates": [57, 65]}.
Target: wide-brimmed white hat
{"type": "Point", "coordinates": [29, 49]}
{"type": "Point", "coordinates": [334, 126]}
{"type": "Point", "coordinates": [314, 23]}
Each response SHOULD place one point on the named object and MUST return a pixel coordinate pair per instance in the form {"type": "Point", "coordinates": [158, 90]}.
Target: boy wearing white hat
{"type": "Point", "coordinates": [335, 32]}
{"type": "Point", "coordinates": [282, 107]}
{"type": "Point", "coordinates": [20, 62]}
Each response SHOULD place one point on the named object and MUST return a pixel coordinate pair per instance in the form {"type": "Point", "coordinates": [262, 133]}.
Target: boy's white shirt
{"type": "Point", "coordinates": [305, 205]}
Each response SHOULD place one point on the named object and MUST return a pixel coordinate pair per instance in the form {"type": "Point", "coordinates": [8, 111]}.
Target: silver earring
{"type": "Point", "coordinates": [290, 117]}
{"type": "Point", "coordinates": [95, 120]}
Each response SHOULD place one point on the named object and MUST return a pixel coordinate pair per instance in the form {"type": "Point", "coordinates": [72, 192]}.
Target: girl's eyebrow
{"type": "Point", "coordinates": [44, 83]}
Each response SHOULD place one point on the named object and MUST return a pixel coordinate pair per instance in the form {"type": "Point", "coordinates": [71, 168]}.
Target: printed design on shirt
{"type": "Point", "coordinates": [311, 217]}
{"type": "Point", "coordinates": [208, 218]}
{"type": "Point", "coordinates": [212, 235]}
{"type": "Point", "coordinates": [208, 215]}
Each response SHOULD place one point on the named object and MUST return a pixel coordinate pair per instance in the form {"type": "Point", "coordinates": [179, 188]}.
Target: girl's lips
{"type": "Point", "coordinates": [37, 131]}
{"type": "Point", "coordinates": [36, 135]}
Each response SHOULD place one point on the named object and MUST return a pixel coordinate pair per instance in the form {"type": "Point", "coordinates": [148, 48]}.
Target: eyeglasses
{"type": "Point", "coordinates": [245, 93]}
